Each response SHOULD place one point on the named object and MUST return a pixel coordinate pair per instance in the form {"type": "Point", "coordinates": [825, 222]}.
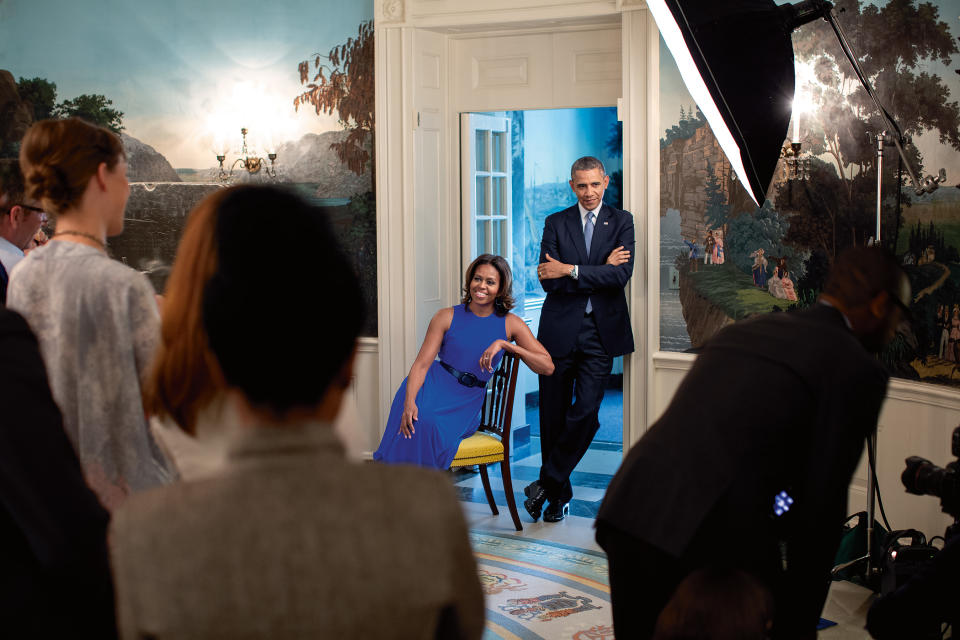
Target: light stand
{"type": "Point", "coordinates": [928, 185]}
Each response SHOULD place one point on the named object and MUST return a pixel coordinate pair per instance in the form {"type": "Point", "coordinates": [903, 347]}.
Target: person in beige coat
{"type": "Point", "coordinates": [291, 539]}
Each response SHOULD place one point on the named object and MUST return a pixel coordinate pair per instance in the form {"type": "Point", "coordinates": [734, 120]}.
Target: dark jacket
{"type": "Point", "coordinates": [603, 284]}
{"type": "Point", "coordinates": [55, 580]}
{"type": "Point", "coordinates": [782, 402]}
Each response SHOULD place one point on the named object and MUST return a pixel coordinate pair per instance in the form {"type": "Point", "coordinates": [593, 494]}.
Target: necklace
{"type": "Point", "coordinates": [82, 234]}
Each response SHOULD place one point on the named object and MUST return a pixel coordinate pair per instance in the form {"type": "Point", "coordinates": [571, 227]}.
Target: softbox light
{"type": "Point", "coordinates": [736, 59]}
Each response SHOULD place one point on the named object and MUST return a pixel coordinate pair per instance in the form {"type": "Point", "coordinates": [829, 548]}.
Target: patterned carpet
{"type": "Point", "coordinates": [537, 589]}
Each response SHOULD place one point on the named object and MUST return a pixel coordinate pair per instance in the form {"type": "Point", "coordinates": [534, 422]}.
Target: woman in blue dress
{"type": "Point", "coordinates": [438, 404]}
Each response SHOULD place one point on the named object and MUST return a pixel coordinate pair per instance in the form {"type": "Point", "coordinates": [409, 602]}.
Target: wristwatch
{"type": "Point", "coordinates": [575, 272]}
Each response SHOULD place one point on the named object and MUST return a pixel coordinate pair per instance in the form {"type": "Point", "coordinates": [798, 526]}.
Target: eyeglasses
{"type": "Point", "coordinates": [32, 208]}
{"type": "Point", "coordinates": [28, 207]}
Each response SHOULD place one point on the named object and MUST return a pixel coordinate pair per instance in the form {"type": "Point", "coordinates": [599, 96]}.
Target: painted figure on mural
{"type": "Point", "coordinates": [717, 246]}
{"type": "Point", "coordinates": [708, 248]}
{"type": "Point", "coordinates": [759, 269]}
{"type": "Point", "coordinates": [789, 291]}
{"type": "Point", "coordinates": [775, 284]}
{"type": "Point", "coordinates": [696, 253]}
{"type": "Point", "coordinates": [943, 321]}
{"type": "Point", "coordinates": [953, 353]}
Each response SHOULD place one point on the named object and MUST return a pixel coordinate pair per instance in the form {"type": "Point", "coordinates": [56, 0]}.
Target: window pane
{"type": "Point", "coordinates": [498, 137]}
{"type": "Point", "coordinates": [496, 204]}
{"type": "Point", "coordinates": [482, 203]}
{"type": "Point", "coordinates": [496, 246]}
{"type": "Point", "coordinates": [483, 162]}
{"type": "Point", "coordinates": [483, 238]}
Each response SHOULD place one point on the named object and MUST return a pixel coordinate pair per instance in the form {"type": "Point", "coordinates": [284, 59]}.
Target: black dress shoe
{"type": "Point", "coordinates": [536, 496]}
{"type": "Point", "coordinates": [556, 512]}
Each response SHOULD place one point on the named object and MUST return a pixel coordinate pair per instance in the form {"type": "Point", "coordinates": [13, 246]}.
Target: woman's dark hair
{"type": "Point", "coordinates": [281, 323]}
{"type": "Point", "coordinates": [58, 157]}
{"type": "Point", "coordinates": [504, 300]}
{"type": "Point", "coordinates": [185, 375]}
{"type": "Point", "coordinates": [717, 603]}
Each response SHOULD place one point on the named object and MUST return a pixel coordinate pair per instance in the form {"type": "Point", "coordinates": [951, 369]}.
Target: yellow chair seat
{"type": "Point", "coordinates": [480, 448]}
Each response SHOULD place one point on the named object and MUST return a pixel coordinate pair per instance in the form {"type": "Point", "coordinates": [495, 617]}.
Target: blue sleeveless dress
{"type": "Point", "coordinates": [447, 411]}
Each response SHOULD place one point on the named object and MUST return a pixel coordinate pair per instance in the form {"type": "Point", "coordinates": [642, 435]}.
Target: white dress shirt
{"type": "Point", "coordinates": [10, 254]}
{"type": "Point", "coordinates": [575, 273]}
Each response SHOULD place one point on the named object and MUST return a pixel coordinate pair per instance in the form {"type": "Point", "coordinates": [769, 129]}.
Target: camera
{"type": "Point", "coordinates": [922, 477]}
{"type": "Point", "coordinates": [917, 592]}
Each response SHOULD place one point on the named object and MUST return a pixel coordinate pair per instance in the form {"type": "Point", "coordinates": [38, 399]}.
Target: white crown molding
{"type": "Point", "coordinates": [464, 16]}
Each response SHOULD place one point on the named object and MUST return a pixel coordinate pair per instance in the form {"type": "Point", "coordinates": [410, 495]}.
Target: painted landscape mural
{"type": "Point", "coordinates": [282, 93]}
{"type": "Point", "coordinates": [724, 259]}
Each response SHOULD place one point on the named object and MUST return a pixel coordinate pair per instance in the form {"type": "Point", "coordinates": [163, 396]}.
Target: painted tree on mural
{"type": "Point", "coordinates": [343, 84]}
{"type": "Point", "coordinates": [717, 210]}
{"type": "Point", "coordinates": [614, 146]}
{"type": "Point", "coordinates": [92, 107]}
{"type": "Point", "coordinates": [686, 127]}
{"type": "Point", "coordinates": [40, 93]}
{"type": "Point", "coordinates": [893, 43]}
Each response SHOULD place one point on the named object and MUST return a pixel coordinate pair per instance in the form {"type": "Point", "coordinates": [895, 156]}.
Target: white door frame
{"type": "Point", "coordinates": [415, 43]}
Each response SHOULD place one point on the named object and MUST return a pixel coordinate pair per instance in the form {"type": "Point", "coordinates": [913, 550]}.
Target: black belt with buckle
{"type": "Point", "coordinates": [466, 379]}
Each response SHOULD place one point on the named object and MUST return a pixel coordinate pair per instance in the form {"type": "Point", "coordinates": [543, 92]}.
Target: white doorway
{"type": "Point", "coordinates": [438, 59]}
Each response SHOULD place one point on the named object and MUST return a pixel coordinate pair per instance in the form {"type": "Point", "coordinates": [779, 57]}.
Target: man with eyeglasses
{"type": "Point", "coordinates": [19, 222]}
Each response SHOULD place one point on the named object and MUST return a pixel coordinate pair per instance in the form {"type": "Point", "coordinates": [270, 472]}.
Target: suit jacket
{"type": "Point", "coordinates": [780, 402]}
{"type": "Point", "coordinates": [292, 540]}
{"type": "Point", "coordinates": [55, 577]}
{"type": "Point", "coordinates": [4, 281]}
{"type": "Point", "coordinates": [601, 283]}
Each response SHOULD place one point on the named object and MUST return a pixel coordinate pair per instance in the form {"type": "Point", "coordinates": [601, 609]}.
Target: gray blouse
{"type": "Point", "coordinates": [98, 326]}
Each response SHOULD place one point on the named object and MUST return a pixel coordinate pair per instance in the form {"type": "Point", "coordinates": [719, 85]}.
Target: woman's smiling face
{"type": "Point", "coordinates": [485, 284]}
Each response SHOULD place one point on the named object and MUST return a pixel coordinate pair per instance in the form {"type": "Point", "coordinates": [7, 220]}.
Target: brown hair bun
{"type": "Point", "coordinates": [58, 158]}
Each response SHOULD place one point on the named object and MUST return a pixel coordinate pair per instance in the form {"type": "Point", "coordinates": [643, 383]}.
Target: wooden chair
{"type": "Point", "coordinates": [491, 442]}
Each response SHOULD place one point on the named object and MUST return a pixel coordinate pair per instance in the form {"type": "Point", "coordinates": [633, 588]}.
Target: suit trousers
{"type": "Point", "coordinates": [569, 403]}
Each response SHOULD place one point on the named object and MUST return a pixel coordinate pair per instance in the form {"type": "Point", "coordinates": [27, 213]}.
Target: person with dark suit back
{"type": "Point", "coordinates": [586, 259]}
{"type": "Point", "coordinates": [703, 486]}
{"type": "Point", "coordinates": [55, 581]}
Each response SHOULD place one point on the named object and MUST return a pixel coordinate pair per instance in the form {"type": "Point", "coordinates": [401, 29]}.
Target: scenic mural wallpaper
{"type": "Point", "coordinates": [181, 82]}
{"type": "Point", "coordinates": [723, 259]}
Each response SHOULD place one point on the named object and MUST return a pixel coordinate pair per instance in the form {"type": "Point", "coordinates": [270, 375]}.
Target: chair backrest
{"type": "Point", "coordinates": [496, 415]}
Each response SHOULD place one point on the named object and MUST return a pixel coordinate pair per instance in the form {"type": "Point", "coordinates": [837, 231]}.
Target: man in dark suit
{"type": "Point", "coordinates": [779, 403]}
{"type": "Point", "coordinates": [20, 220]}
{"type": "Point", "coordinates": [55, 580]}
{"type": "Point", "coordinates": [586, 259]}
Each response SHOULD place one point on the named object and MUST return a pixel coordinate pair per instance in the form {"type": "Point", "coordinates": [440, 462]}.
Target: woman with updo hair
{"type": "Point", "coordinates": [96, 319]}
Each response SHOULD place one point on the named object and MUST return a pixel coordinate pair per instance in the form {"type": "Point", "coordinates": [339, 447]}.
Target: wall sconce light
{"type": "Point", "coordinates": [252, 163]}
{"type": "Point", "coordinates": [797, 166]}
